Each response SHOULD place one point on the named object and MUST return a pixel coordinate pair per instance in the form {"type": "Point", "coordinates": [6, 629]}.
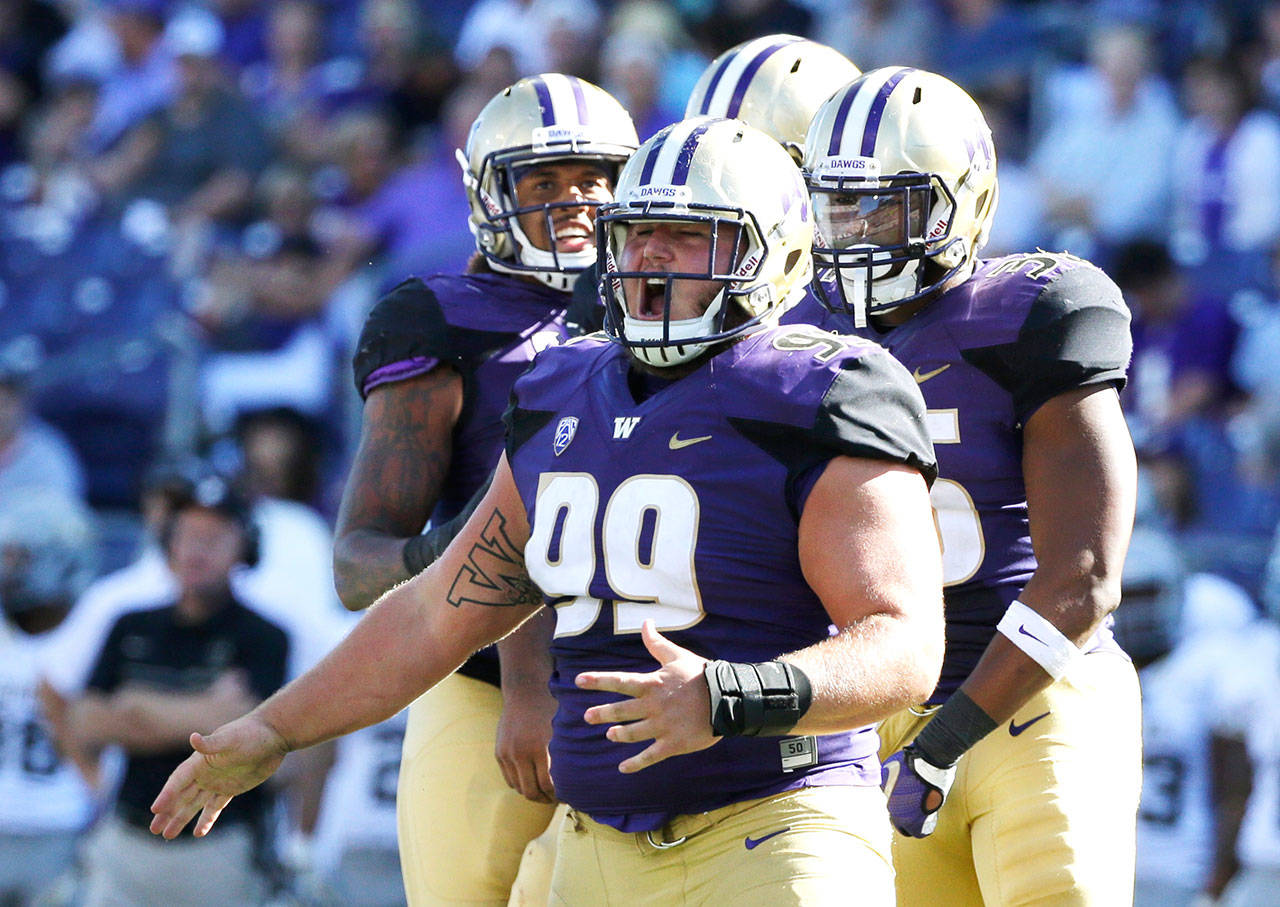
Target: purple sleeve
{"type": "Point", "coordinates": [399, 371]}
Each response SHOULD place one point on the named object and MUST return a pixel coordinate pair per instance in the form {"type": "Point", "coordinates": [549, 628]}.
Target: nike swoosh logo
{"type": "Point", "coordinates": [1023, 630]}
{"type": "Point", "coordinates": [922, 377]}
{"type": "Point", "coordinates": [677, 442]}
{"type": "Point", "coordinates": [1016, 729]}
{"type": "Point", "coordinates": [753, 843]}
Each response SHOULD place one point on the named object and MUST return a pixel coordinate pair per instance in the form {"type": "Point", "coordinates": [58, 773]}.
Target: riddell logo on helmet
{"type": "Point", "coordinates": [747, 266]}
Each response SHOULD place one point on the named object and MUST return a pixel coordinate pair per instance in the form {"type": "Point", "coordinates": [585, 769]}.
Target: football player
{"type": "Point", "coordinates": [435, 365]}
{"type": "Point", "coordinates": [47, 554]}
{"type": "Point", "coordinates": [1246, 766]}
{"type": "Point", "coordinates": [700, 495]}
{"type": "Point", "coordinates": [1182, 633]}
{"type": "Point", "coordinates": [1019, 359]}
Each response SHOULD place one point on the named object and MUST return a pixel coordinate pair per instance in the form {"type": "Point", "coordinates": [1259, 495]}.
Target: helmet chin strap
{"type": "Point", "coordinates": [556, 270]}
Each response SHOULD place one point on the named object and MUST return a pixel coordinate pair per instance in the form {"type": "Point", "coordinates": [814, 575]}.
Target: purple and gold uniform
{"type": "Point", "coordinates": [682, 505]}
{"type": "Point", "coordinates": [488, 328]}
{"type": "Point", "coordinates": [1023, 818]}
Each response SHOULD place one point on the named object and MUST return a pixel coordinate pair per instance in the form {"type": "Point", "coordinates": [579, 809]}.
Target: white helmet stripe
{"type": "Point", "coordinates": [560, 105]}
{"type": "Point", "coordinates": [668, 163]}
{"type": "Point", "coordinates": [858, 117]}
{"type": "Point", "coordinates": [733, 78]}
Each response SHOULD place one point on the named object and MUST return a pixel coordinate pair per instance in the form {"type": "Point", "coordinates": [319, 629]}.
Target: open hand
{"type": "Point", "coordinates": [234, 758]}
{"type": "Point", "coordinates": [670, 706]}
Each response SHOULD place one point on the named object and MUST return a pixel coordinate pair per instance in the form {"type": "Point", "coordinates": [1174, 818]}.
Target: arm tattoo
{"type": "Point", "coordinates": [494, 573]}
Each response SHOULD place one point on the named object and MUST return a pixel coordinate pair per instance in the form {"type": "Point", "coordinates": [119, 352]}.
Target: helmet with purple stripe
{"type": "Point", "coordinates": [902, 171]}
{"type": "Point", "coordinates": [739, 187]}
{"type": "Point", "coordinates": [541, 119]}
{"type": "Point", "coordinates": [775, 83]}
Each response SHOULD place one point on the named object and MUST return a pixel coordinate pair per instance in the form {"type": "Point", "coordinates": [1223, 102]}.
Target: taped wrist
{"type": "Point", "coordinates": [958, 725]}
{"type": "Point", "coordinates": [418, 554]}
{"type": "Point", "coordinates": [756, 700]}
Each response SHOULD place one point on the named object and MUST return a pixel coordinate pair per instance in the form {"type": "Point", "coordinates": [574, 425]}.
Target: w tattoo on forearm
{"type": "Point", "coordinates": [494, 573]}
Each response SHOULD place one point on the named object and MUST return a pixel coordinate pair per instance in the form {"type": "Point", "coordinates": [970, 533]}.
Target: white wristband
{"type": "Point", "coordinates": [1041, 640]}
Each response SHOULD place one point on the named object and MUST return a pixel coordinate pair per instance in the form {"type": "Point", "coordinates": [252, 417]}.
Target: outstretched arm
{"type": "Point", "coordinates": [406, 440]}
{"type": "Point", "coordinates": [869, 549]}
{"type": "Point", "coordinates": [414, 636]}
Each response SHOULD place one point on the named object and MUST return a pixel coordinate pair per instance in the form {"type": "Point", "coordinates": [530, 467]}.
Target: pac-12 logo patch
{"type": "Point", "coordinates": [565, 430]}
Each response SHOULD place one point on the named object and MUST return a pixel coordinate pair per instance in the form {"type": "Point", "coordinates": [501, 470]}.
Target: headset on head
{"type": "Point", "coordinates": [216, 494]}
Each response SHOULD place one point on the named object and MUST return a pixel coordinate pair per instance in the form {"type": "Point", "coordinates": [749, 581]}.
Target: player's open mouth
{"type": "Point", "coordinates": [653, 298]}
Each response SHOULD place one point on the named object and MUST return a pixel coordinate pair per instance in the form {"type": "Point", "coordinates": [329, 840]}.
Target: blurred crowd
{"type": "Point", "coordinates": [200, 200]}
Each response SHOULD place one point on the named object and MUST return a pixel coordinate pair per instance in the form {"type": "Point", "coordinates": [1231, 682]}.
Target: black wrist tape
{"type": "Point", "coordinates": [958, 725]}
{"type": "Point", "coordinates": [751, 700]}
{"type": "Point", "coordinates": [420, 552]}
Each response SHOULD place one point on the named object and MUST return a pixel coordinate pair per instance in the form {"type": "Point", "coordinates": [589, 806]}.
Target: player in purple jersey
{"type": "Point", "coordinates": [435, 365]}
{"type": "Point", "coordinates": [700, 496]}
{"type": "Point", "coordinates": [1019, 360]}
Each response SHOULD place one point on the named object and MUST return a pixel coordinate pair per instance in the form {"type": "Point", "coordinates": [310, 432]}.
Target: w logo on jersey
{"type": "Point", "coordinates": [565, 430]}
{"type": "Point", "coordinates": [623, 426]}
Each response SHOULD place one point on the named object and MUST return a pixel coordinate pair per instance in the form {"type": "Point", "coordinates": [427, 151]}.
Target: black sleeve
{"type": "Point", "coordinates": [585, 314]}
{"type": "Point", "coordinates": [872, 410]}
{"type": "Point", "coordinates": [406, 323]}
{"type": "Point", "coordinates": [1076, 334]}
{"type": "Point", "coordinates": [265, 658]}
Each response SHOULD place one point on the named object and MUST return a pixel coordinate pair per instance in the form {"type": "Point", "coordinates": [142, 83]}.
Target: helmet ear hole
{"type": "Point", "coordinates": [792, 260]}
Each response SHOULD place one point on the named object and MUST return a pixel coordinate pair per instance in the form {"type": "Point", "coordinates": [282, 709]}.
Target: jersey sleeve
{"type": "Point", "coordinates": [406, 334]}
{"type": "Point", "coordinates": [874, 410]}
{"type": "Point", "coordinates": [1075, 334]}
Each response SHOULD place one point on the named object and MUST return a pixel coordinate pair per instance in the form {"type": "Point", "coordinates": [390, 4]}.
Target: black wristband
{"type": "Point", "coordinates": [750, 700]}
{"type": "Point", "coordinates": [958, 725]}
{"type": "Point", "coordinates": [421, 551]}
{"type": "Point", "coordinates": [418, 554]}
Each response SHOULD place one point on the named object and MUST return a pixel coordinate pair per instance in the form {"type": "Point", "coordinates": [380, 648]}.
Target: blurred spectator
{"type": "Point", "coordinates": [289, 87]}
{"type": "Point", "coordinates": [386, 227]}
{"type": "Point", "coordinates": [270, 345]}
{"type": "Point", "coordinates": [875, 33]}
{"type": "Point", "coordinates": [199, 155]}
{"type": "Point", "coordinates": [1182, 632]}
{"type": "Point", "coordinates": [46, 558]}
{"type": "Point", "coordinates": [1021, 224]}
{"type": "Point", "coordinates": [28, 28]}
{"type": "Point", "coordinates": [146, 78]}
{"type": "Point", "coordinates": [1182, 345]}
{"type": "Point", "coordinates": [524, 29]}
{"type": "Point", "coordinates": [281, 449]}
{"type": "Point", "coordinates": [34, 456]}
{"type": "Point", "coordinates": [633, 73]}
{"type": "Point", "coordinates": [652, 24]}
{"type": "Point", "coordinates": [160, 673]}
{"type": "Point", "coordinates": [990, 48]}
{"type": "Point", "coordinates": [1104, 156]}
{"type": "Point", "coordinates": [1228, 164]}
